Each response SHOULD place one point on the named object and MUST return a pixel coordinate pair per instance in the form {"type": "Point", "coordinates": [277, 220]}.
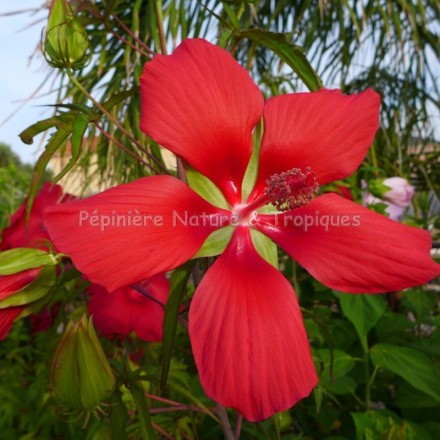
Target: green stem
{"type": "Point", "coordinates": [145, 425]}
{"type": "Point", "coordinates": [226, 426]}
{"type": "Point", "coordinates": [133, 34]}
{"type": "Point", "coordinates": [374, 159]}
{"type": "Point", "coordinates": [160, 27]}
{"type": "Point", "coordinates": [367, 375]}
{"type": "Point", "coordinates": [238, 426]}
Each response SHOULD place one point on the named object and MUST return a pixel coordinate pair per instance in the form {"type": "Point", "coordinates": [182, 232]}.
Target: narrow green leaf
{"type": "Point", "coordinates": [363, 311]}
{"type": "Point", "coordinates": [79, 128]}
{"type": "Point", "coordinates": [183, 391]}
{"type": "Point", "coordinates": [62, 121]}
{"type": "Point", "coordinates": [143, 412]}
{"type": "Point", "coordinates": [27, 135]}
{"type": "Point", "coordinates": [118, 416]}
{"type": "Point", "coordinates": [52, 146]}
{"type": "Point", "coordinates": [179, 280]}
{"type": "Point", "coordinates": [119, 97]}
{"type": "Point", "coordinates": [411, 365]}
{"type": "Point", "coordinates": [290, 53]}
{"type": "Point", "coordinates": [232, 16]}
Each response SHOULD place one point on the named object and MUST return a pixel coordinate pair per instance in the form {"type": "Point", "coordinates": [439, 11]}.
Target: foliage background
{"type": "Point", "coordinates": [377, 356]}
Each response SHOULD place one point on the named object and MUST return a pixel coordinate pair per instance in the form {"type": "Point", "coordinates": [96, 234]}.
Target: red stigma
{"type": "Point", "coordinates": [291, 189]}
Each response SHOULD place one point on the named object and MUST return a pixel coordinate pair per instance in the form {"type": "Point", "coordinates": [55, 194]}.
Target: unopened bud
{"type": "Point", "coordinates": [400, 191]}
{"type": "Point", "coordinates": [65, 42]}
{"type": "Point", "coordinates": [81, 375]}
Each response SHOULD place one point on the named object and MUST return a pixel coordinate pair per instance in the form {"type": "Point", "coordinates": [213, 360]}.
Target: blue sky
{"type": "Point", "coordinates": [20, 78]}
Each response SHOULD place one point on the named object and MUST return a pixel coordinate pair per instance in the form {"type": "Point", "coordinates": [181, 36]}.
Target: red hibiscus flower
{"type": "Point", "coordinates": [126, 310]}
{"type": "Point", "coordinates": [9, 285]}
{"type": "Point", "coordinates": [245, 324]}
{"type": "Point", "coordinates": [34, 235]}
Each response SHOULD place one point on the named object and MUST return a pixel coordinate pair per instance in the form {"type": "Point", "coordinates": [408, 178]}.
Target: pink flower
{"type": "Point", "coordinates": [397, 198]}
{"type": "Point", "coordinates": [245, 323]}
{"type": "Point", "coordinates": [400, 193]}
{"type": "Point", "coordinates": [126, 310]}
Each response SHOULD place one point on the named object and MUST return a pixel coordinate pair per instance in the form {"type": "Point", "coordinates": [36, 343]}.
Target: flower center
{"type": "Point", "coordinates": [287, 190]}
{"type": "Point", "coordinates": [291, 189]}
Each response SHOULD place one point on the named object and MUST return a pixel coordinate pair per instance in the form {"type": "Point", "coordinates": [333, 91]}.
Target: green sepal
{"type": "Point", "coordinates": [377, 188]}
{"type": "Point", "coordinates": [66, 43]}
{"type": "Point", "coordinates": [97, 380]}
{"type": "Point", "coordinates": [216, 243]}
{"type": "Point", "coordinates": [19, 259]}
{"type": "Point", "coordinates": [266, 248]}
{"type": "Point", "coordinates": [206, 188]}
{"type": "Point", "coordinates": [81, 376]}
{"type": "Point", "coordinates": [251, 173]}
{"type": "Point", "coordinates": [64, 374]}
{"type": "Point", "coordinates": [33, 291]}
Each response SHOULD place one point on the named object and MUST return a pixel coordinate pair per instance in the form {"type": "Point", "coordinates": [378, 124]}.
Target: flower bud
{"type": "Point", "coordinates": [81, 375]}
{"type": "Point", "coordinates": [400, 191]}
{"type": "Point", "coordinates": [394, 192]}
{"type": "Point", "coordinates": [65, 42]}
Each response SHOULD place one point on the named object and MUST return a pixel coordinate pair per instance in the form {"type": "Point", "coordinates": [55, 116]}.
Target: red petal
{"type": "Point", "coordinates": [7, 318]}
{"type": "Point", "coordinates": [325, 130]}
{"type": "Point", "coordinates": [18, 234]}
{"type": "Point", "coordinates": [10, 284]}
{"type": "Point", "coordinates": [247, 334]}
{"type": "Point", "coordinates": [126, 310]}
{"type": "Point", "coordinates": [202, 105]}
{"type": "Point", "coordinates": [371, 253]}
{"type": "Point", "coordinates": [116, 256]}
